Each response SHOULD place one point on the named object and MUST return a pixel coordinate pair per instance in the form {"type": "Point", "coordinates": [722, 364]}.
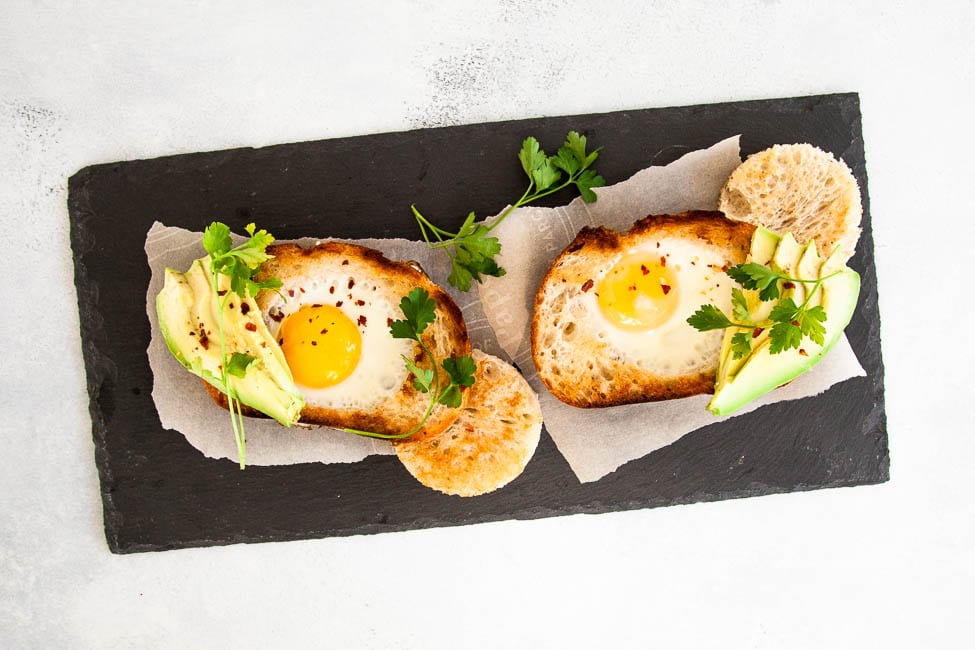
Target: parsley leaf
{"type": "Point", "coordinates": [216, 239]}
{"type": "Point", "coordinates": [741, 345]}
{"type": "Point", "coordinates": [471, 249]}
{"type": "Point", "coordinates": [739, 305]}
{"type": "Point", "coordinates": [811, 324]}
{"type": "Point", "coordinates": [420, 311]}
{"type": "Point", "coordinates": [784, 336]}
{"type": "Point", "coordinates": [422, 377]}
{"type": "Point", "coordinates": [758, 277]}
{"type": "Point", "coordinates": [709, 317]}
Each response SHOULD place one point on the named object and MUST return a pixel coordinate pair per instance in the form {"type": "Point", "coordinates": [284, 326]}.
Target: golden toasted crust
{"type": "Point", "coordinates": [490, 443]}
{"type": "Point", "coordinates": [445, 337]}
{"type": "Point", "coordinates": [570, 369]}
{"type": "Point", "coordinates": [797, 188]}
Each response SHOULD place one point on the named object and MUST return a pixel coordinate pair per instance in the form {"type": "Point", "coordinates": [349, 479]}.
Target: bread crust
{"type": "Point", "coordinates": [446, 337]}
{"type": "Point", "coordinates": [571, 274]}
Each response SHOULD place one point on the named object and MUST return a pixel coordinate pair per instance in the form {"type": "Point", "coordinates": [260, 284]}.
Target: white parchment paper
{"type": "Point", "coordinates": [184, 405]}
{"type": "Point", "coordinates": [597, 441]}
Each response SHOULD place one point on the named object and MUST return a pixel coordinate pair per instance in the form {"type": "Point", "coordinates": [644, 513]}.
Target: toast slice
{"type": "Point", "coordinates": [490, 443]}
{"type": "Point", "coordinates": [586, 360]}
{"type": "Point", "coordinates": [797, 188]}
{"type": "Point", "coordinates": [356, 279]}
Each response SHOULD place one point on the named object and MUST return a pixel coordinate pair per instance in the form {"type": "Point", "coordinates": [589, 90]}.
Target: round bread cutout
{"type": "Point", "coordinates": [491, 441]}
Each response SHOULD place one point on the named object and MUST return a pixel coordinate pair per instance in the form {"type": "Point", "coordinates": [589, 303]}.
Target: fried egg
{"type": "Point", "coordinates": [610, 320]}
{"type": "Point", "coordinates": [641, 298]}
{"type": "Point", "coordinates": [334, 333]}
{"type": "Point", "coordinates": [332, 317]}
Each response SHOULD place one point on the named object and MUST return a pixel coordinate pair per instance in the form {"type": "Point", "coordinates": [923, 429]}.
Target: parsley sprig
{"type": "Point", "coordinates": [240, 264]}
{"type": "Point", "coordinates": [787, 322]}
{"type": "Point", "coordinates": [419, 310]}
{"type": "Point", "coordinates": [471, 249]}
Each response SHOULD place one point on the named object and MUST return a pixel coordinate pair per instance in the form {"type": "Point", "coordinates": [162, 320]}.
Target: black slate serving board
{"type": "Point", "coordinates": [160, 493]}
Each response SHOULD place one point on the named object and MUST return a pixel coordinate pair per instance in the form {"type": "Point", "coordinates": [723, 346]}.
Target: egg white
{"type": "Point", "coordinates": [673, 347]}
{"type": "Point", "coordinates": [380, 372]}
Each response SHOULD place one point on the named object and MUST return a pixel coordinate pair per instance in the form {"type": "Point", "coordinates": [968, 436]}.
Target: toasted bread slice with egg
{"type": "Point", "coordinates": [490, 443]}
{"type": "Point", "coordinates": [797, 188]}
{"type": "Point", "coordinates": [609, 324]}
{"type": "Point", "coordinates": [359, 285]}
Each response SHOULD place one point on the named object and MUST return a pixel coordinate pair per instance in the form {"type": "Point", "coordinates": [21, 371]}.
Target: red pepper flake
{"type": "Point", "coordinates": [658, 244]}
{"type": "Point", "coordinates": [338, 303]}
{"type": "Point", "coordinates": [724, 268]}
{"type": "Point", "coordinates": [231, 305]}
{"type": "Point", "coordinates": [644, 270]}
{"type": "Point", "coordinates": [263, 344]}
{"type": "Point", "coordinates": [244, 308]}
{"type": "Point", "coordinates": [803, 352]}
{"type": "Point", "coordinates": [331, 289]}
{"type": "Point", "coordinates": [250, 327]}
{"type": "Point", "coordinates": [796, 323]}
{"type": "Point", "coordinates": [632, 287]}
{"type": "Point", "coordinates": [351, 282]}
{"type": "Point", "coordinates": [663, 261]}
{"type": "Point", "coordinates": [757, 332]}
{"type": "Point", "coordinates": [362, 320]}
{"type": "Point", "coordinates": [389, 322]}
{"type": "Point", "coordinates": [788, 285]}
{"type": "Point", "coordinates": [291, 293]}
{"type": "Point", "coordinates": [281, 341]}
{"type": "Point", "coordinates": [276, 316]}
{"type": "Point", "coordinates": [222, 293]}
{"type": "Point", "coordinates": [324, 331]}
{"type": "Point", "coordinates": [204, 339]}
{"type": "Point", "coordinates": [587, 285]}
{"type": "Point", "coordinates": [301, 289]}
{"type": "Point", "coordinates": [665, 288]}
{"type": "Point", "coordinates": [314, 342]}
{"type": "Point", "coordinates": [345, 262]}
{"type": "Point", "coordinates": [317, 305]}
{"type": "Point", "coordinates": [360, 303]}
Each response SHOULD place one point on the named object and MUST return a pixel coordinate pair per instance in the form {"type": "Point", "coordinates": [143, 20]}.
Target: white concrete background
{"type": "Point", "coordinates": [889, 566]}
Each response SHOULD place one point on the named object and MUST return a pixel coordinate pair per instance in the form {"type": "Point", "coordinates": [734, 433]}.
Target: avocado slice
{"type": "Point", "coordinates": [785, 259]}
{"type": "Point", "coordinates": [761, 372]}
{"type": "Point", "coordinates": [189, 322]}
{"type": "Point", "coordinates": [763, 245]}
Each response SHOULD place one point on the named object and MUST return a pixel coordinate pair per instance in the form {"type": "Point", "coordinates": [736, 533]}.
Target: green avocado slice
{"type": "Point", "coordinates": [763, 245]}
{"type": "Point", "coordinates": [743, 380]}
{"type": "Point", "coordinates": [189, 322]}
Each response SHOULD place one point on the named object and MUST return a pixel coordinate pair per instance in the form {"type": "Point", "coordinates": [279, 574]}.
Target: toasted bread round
{"type": "Point", "coordinates": [587, 359]}
{"type": "Point", "coordinates": [797, 188]}
{"type": "Point", "coordinates": [490, 443]}
{"type": "Point", "coordinates": [368, 288]}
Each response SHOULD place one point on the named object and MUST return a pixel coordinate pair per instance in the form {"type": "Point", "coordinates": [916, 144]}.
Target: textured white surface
{"type": "Point", "coordinates": [885, 566]}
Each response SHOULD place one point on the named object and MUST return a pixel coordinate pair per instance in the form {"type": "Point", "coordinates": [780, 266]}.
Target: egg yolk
{"type": "Point", "coordinates": [639, 293]}
{"type": "Point", "coordinates": [321, 345]}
